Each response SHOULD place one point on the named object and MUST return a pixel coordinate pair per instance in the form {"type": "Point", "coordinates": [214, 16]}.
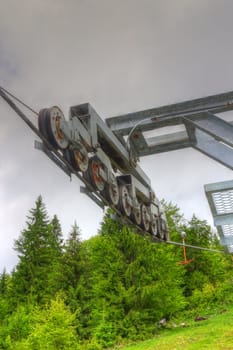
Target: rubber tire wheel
{"type": "Point", "coordinates": [121, 205]}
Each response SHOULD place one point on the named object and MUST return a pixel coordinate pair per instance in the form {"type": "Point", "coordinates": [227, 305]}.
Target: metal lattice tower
{"type": "Point", "coordinates": [220, 198]}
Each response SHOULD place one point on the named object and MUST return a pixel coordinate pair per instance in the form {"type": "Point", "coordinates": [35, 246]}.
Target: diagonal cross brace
{"type": "Point", "coordinates": [203, 130]}
{"type": "Point", "coordinates": [212, 125]}
{"type": "Point", "coordinates": [212, 136]}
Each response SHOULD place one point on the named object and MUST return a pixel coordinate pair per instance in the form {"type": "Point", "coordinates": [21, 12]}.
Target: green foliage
{"type": "Point", "coordinates": [132, 284]}
{"type": "Point", "coordinates": [4, 283]}
{"type": "Point", "coordinates": [207, 280]}
{"type": "Point", "coordinates": [213, 333]}
{"type": "Point", "coordinates": [4, 308]}
{"type": "Point", "coordinates": [105, 334]}
{"type": "Point", "coordinates": [71, 259]}
{"type": "Point", "coordinates": [174, 219]}
{"type": "Point", "coordinates": [39, 250]}
{"type": "Point", "coordinates": [210, 296]}
{"type": "Point", "coordinates": [207, 268]}
{"type": "Point", "coordinates": [55, 238]}
{"type": "Point", "coordinates": [53, 327]}
{"type": "Point", "coordinates": [5, 287]}
{"type": "Point", "coordinates": [15, 327]}
{"type": "Point", "coordinates": [116, 285]}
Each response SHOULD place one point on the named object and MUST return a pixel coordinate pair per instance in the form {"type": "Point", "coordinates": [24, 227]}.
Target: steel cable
{"type": "Point", "coordinates": [19, 101]}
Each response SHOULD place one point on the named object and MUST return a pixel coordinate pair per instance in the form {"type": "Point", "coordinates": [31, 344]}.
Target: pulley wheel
{"type": "Point", "coordinates": [50, 122]}
{"type": "Point", "coordinates": [145, 217]}
{"type": "Point", "coordinates": [124, 201]}
{"type": "Point", "coordinates": [136, 214]}
{"type": "Point", "coordinates": [163, 230]}
{"type": "Point", "coordinates": [78, 158]}
{"type": "Point", "coordinates": [42, 124]}
{"type": "Point", "coordinates": [111, 191]}
{"type": "Point", "coordinates": [154, 225]}
{"type": "Point", "coordinates": [92, 174]}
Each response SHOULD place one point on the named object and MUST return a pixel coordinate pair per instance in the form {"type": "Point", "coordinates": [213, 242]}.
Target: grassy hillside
{"type": "Point", "coordinates": [215, 333]}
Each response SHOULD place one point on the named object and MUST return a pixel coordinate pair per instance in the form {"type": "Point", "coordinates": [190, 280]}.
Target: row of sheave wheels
{"type": "Point", "coordinates": [115, 193]}
{"type": "Point", "coordinates": [49, 122]}
{"type": "Point", "coordinates": [118, 195]}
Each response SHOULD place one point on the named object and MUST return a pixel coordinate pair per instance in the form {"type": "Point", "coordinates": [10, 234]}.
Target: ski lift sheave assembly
{"type": "Point", "coordinates": [96, 152]}
{"type": "Point", "coordinates": [84, 146]}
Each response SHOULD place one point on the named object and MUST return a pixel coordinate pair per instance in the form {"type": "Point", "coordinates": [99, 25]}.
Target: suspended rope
{"type": "Point", "coordinates": [18, 100]}
{"type": "Point", "coordinates": [196, 247]}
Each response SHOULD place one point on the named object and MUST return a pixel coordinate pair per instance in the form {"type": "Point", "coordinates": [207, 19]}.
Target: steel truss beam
{"type": "Point", "coordinates": [198, 127]}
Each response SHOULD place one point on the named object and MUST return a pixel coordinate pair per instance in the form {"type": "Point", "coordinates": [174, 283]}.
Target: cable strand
{"type": "Point", "coordinates": [19, 101]}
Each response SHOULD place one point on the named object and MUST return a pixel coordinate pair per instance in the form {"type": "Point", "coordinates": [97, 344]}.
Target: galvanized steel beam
{"type": "Point", "coordinates": [220, 199]}
{"type": "Point", "coordinates": [216, 103]}
{"type": "Point", "coordinates": [204, 131]}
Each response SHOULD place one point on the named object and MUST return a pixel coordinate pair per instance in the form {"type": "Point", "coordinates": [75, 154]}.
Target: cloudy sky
{"type": "Point", "coordinates": [121, 56]}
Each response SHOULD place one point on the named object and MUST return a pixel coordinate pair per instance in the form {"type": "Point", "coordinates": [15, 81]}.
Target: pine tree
{"type": "Point", "coordinates": [56, 237]}
{"type": "Point", "coordinates": [74, 240]}
{"type": "Point", "coordinates": [71, 260]}
{"type": "Point", "coordinates": [38, 247]}
{"type": "Point", "coordinates": [56, 247]}
{"type": "Point", "coordinates": [130, 284]}
{"type": "Point", "coordinates": [4, 279]}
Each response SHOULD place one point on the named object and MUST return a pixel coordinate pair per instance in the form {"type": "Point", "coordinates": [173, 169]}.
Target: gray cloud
{"type": "Point", "coordinates": [121, 56]}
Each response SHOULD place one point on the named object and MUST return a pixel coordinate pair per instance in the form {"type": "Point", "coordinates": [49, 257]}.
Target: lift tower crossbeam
{"type": "Point", "coordinates": [201, 128]}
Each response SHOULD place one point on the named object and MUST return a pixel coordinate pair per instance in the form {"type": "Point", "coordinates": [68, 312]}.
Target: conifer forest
{"type": "Point", "coordinates": [111, 289]}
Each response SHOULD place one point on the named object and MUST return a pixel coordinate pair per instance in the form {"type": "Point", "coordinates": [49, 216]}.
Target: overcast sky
{"type": "Point", "coordinates": [121, 56]}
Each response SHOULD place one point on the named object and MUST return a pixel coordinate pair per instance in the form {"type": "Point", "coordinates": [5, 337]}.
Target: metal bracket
{"type": "Point", "coordinates": [40, 146]}
{"type": "Point", "coordinates": [92, 196]}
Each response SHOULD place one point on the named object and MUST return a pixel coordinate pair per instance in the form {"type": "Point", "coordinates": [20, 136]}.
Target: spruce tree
{"type": "Point", "coordinates": [132, 283]}
{"type": "Point", "coordinates": [71, 261]}
{"type": "Point", "coordinates": [56, 236]}
{"type": "Point", "coordinates": [56, 247]}
{"type": "Point", "coordinates": [5, 281]}
{"type": "Point", "coordinates": [4, 278]}
{"type": "Point", "coordinates": [38, 247]}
